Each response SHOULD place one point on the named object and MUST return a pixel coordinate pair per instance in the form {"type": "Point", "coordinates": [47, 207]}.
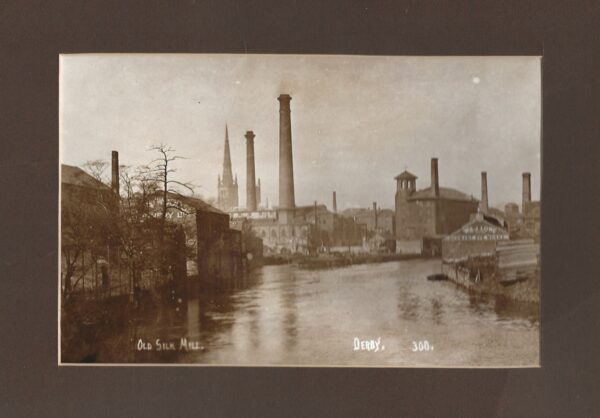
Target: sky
{"type": "Point", "coordinates": [357, 121]}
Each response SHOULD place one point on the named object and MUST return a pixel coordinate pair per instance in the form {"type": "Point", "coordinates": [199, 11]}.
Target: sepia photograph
{"type": "Point", "coordinates": [299, 210]}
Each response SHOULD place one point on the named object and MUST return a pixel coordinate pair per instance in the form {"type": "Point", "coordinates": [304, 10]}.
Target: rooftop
{"type": "Point", "coordinates": [195, 203]}
{"type": "Point", "coordinates": [75, 176]}
{"type": "Point", "coordinates": [445, 193]}
{"type": "Point", "coordinates": [405, 175]}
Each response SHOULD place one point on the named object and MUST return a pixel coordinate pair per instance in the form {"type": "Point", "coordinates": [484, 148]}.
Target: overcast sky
{"type": "Point", "coordinates": [357, 121]}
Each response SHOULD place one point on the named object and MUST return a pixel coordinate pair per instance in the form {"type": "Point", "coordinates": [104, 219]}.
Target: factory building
{"type": "Point", "coordinates": [495, 244]}
{"type": "Point", "coordinates": [477, 238]}
{"type": "Point", "coordinates": [215, 249]}
{"type": "Point", "coordinates": [424, 217]}
{"type": "Point", "coordinates": [199, 238]}
{"type": "Point", "coordinates": [491, 228]}
{"type": "Point", "coordinates": [285, 228]}
{"type": "Point", "coordinates": [376, 220]}
{"type": "Point", "coordinates": [288, 228]}
{"type": "Point", "coordinates": [219, 251]}
{"type": "Point", "coordinates": [530, 216]}
{"type": "Point", "coordinates": [525, 223]}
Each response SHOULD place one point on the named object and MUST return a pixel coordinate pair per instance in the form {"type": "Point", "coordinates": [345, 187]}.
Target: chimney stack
{"type": "Point", "coordinates": [334, 203]}
{"type": "Point", "coordinates": [375, 214]}
{"type": "Point", "coordinates": [484, 193]}
{"type": "Point", "coordinates": [286, 166]}
{"type": "Point", "coordinates": [258, 195]}
{"type": "Point", "coordinates": [526, 189]}
{"type": "Point", "coordinates": [435, 184]}
{"type": "Point", "coordinates": [114, 185]}
{"type": "Point", "coordinates": [250, 173]}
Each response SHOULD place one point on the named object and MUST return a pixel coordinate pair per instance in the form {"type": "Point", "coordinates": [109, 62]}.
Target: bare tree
{"type": "Point", "coordinates": [162, 171]}
{"type": "Point", "coordinates": [135, 221]}
{"type": "Point", "coordinates": [97, 168]}
{"type": "Point", "coordinates": [84, 225]}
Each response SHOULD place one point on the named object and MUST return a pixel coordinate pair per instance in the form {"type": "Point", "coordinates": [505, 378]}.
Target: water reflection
{"type": "Point", "coordinates": [408, 306]}
{"type": "Point", "coordinates": [282, 315]}
{"type": "Point", "coordinates": [437, 311]}
{"type": "Point", "coordinates": [290, 319]}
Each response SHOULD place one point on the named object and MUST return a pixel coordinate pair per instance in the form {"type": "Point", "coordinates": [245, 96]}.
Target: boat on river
{"type": "Point", "coordinates": [437, 277]}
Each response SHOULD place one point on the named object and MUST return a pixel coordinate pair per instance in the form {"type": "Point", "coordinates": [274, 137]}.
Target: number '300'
{"type": "Point", "coordinates": [421, 346]}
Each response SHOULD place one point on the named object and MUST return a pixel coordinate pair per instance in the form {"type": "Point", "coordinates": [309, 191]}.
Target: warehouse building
{"type": "Point", "coordinates": [424, 217]}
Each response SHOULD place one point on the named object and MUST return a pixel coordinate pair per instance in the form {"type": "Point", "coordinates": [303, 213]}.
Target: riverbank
{"type": "Point", "coordinates": [489, 282]}
{"type": "Point", "coordinates": [327, 261]}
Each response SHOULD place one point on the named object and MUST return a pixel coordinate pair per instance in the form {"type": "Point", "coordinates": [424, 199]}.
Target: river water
{"type": "Point", "coordinates": [282, 315]}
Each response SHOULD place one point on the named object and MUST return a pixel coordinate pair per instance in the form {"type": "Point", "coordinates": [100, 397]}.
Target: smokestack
{"type": "Point", "coordinates": [258, 195]}
{"type": "Point", "coordinates": [114, 185]}
{"type": "Point", "coordinates": [334, 203]}
{"type": "Point", "coordinates": [526, 189]}
{"type": "Point", "coordinates": [484, 192]}
{"type": "Point", "coordinates": [435, 183]}
{"type": "Point", "coordinates": [250, 173]}
{"type": "Point", "coordinates": [375, 213]}
{"type": "Point", "coordinates": [286, 166]}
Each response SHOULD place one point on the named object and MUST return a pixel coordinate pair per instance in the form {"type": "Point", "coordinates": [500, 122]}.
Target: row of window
{"type": "Point", "coordinates": [283, 233]}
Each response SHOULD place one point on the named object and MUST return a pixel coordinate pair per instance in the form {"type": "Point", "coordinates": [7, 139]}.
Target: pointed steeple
{"type": "Point", "coordinates": [227, 172]}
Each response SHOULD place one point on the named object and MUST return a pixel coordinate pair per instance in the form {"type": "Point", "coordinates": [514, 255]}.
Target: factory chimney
{"type": "Point", "coordinates": [114, 185]}
{"type": "Point", "coordinates": [258, 194]}
{"type": "Point", "coordinates": [250, 173]}
{"type": "Point", "coordinates": [286, 166]}
{"type": "Point", "coordinates": [375, 214]}
{"type": "Point", "coordinates": [435, 183]}
{"type": "Point", "coordinates": [484, 193]}
{"type": "Point", "coordinates": [526, 189]}
{"type": "Point", "coordinates": [334, 203]}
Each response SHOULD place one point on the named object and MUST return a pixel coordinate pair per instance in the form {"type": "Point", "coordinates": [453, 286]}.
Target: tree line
{"type": "Point", "coordinates": [101, 230]}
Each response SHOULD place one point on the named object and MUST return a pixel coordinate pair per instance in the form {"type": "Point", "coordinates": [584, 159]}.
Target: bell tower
{"type": "Point", "coordinates": [406, 185]}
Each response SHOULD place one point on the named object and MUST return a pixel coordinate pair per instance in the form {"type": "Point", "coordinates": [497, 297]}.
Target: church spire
{"type": "Point", "coordinates": [227, 172]}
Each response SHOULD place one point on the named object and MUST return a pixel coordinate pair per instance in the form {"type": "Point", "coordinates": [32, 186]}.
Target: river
{"type": "Point", "coordinates": [282, 315]}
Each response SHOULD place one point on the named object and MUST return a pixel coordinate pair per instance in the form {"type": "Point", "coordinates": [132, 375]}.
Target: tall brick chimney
{"type": "Point", "coordinates": [114, 184]}
{"type": "Point", "coordinates": [258, 194]}
{"type": "Point", "coordinates": [435, 181]}
{"type": "Point", "coordinates": [526, 189]}
{"type": "Point", "coordinates": [334, 203]}
{"type": "Point", "coordinates": [250, 173]}
{"type": "Point", "coordinates": [484, 192]}
{"type": "Point", "coordinates": [286, 165]}
{"type": "Point", "coordinates": [375, 213]}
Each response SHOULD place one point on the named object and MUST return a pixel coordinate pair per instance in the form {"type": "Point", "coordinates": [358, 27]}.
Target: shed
{"type": "Point", "coordinates": [477, 238]}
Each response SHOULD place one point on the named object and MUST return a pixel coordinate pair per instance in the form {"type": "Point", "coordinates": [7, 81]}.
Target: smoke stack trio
{"type": "Point", "coordinates": [286, 170]}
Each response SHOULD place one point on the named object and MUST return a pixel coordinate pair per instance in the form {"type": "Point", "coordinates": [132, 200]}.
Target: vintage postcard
{"type": "Point", "coordinates": [299, 210]}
